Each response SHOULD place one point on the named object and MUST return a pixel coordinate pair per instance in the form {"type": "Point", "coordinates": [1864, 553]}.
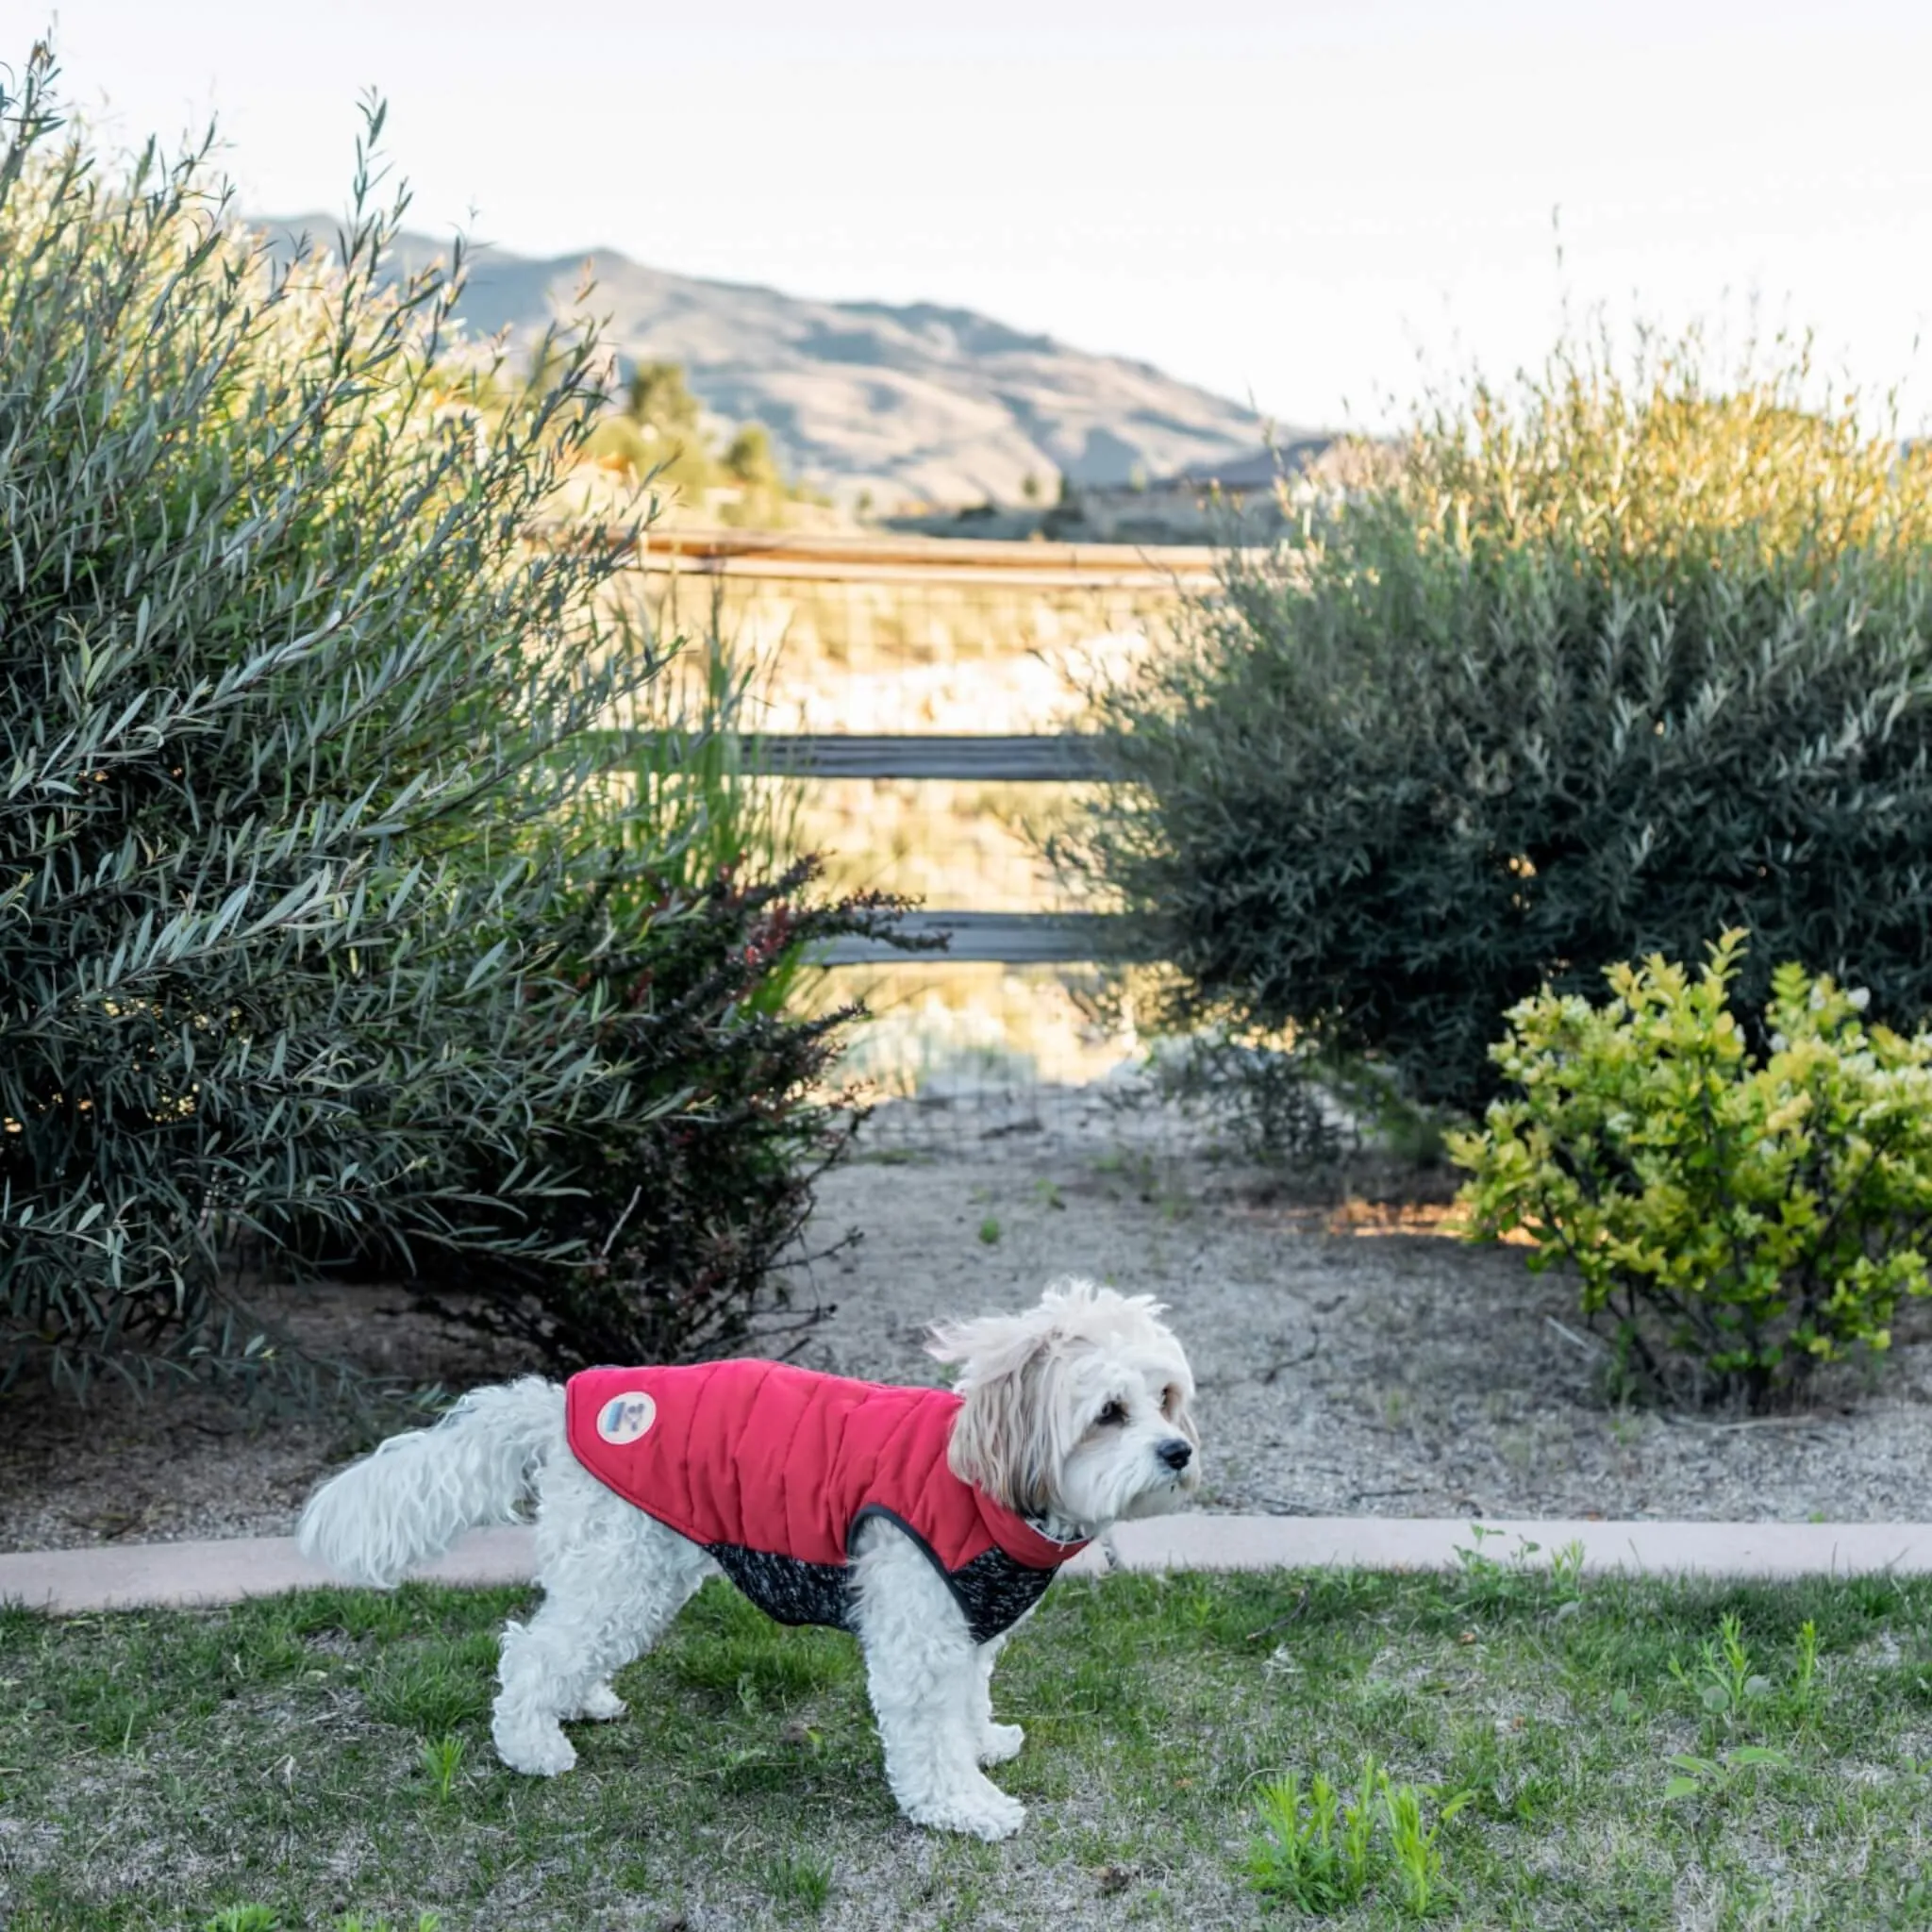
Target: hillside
{"type": "Point", "coordinates": [918, 402]}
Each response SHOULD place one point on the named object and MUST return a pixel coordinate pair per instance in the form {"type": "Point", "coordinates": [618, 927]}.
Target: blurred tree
{"type": "Point", "coordinates": [659, 398]}
{"type": "Point", "coordinates": [749, 459]}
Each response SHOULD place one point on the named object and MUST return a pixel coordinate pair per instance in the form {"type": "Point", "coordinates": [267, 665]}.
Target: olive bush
{"type": "Point", "coordinates": [323, 926]}
{"type": "Point", "coordinates": [1592, 666]}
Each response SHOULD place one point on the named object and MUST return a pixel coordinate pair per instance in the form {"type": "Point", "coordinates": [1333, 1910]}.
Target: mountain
{"type": "Point", "coordinates": [909, 403]}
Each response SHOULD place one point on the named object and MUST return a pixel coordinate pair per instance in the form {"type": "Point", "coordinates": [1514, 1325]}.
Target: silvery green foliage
{"type": "Point", "coordinates": [306, 937]}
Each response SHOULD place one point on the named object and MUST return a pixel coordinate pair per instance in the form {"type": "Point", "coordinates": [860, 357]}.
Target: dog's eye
{"type": "Point", "coordinates": [1114, 1414]}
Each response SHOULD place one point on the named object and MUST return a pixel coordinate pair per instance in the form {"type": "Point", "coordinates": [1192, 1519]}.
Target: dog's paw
{"type": "Point", "coordinates": [602, 1704]}
{"type": "Point", "coordinates": [987, 1813]}
{"type": "Point", "coordinates": [538, 1754]}
{"type": "Point", "coordinates": [1000, 1743]}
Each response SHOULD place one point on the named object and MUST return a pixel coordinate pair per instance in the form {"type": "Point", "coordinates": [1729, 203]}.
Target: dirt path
{"type": "Point", "coordinates": [1340, 1374]}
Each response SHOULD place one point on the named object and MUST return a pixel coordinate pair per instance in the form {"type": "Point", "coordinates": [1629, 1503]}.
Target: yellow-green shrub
{"type": "Point", "coordinates": [1742, 1219]}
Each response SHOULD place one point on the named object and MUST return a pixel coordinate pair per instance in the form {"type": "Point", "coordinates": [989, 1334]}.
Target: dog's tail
{"type": "Point", "coordinates": [408, 1502]}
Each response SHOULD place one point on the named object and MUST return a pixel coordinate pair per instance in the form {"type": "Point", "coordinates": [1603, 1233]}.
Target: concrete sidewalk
{"type": "Point", "coordinates": [123, 1577]}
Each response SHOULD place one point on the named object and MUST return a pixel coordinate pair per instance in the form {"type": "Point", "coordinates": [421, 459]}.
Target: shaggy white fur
{"type": "Point", "coordinates": [1074, 1414]}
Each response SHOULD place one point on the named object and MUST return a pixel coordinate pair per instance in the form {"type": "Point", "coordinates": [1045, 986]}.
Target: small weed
{"type": "Point", "coordinates": [1730, 1689]}
{"type": "Point", "coordinates": [1492, 1583]}
{"type": "Point", "coordinates": [1805, 1673]}
{"type": "Point", "coordinates": [805, 1882]}
{"type": "Point", "coordinates": [1710, 1779]}
{"type": "Point", "coordinates": [1472, 1561]}
{"type": "Point", "coordinates": [243, 1919]}
{"type": "Point", "coordinates": [441, 1761]}
{"type": "Point", "coordinates": [355, 1922]}
{"type": "Point", "coordinates": [1722, 1679]}
{"type": "Point", "coordinates": [990, 1230]}
{"type": "Point", "coordinates": [1315, 1856]}
{"type": "Point", "coordinates": [1566, 1569]}
{"type": "Point", "coordinates": [1418, 1862]}
{"type": "Point", "coordinates": [1323, 1854]}
{"type": "Point", "coordinates": [1047, 1194]}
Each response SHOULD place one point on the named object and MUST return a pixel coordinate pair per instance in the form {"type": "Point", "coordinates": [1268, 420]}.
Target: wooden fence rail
{"type": "Point", "coordinates": [1041, 759]}
{"type": "Point", "coordinates": [1018, 939]}
{"type": "Point", "coordinates": [1006, 938]}
{"type": "Point", "coordinates": [1012, 939]}
{"type": "Point", "coordinates": [877, 557]}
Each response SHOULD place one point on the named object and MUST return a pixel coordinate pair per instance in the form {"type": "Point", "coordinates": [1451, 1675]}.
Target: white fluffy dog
{"type": "Point", "coordinates": [1066, 1418]}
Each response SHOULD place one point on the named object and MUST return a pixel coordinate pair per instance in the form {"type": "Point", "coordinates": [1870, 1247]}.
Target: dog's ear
{"type": "Point", "coordinates": [1006, 1438]}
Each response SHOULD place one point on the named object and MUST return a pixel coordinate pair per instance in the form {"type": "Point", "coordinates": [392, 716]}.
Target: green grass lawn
{"type": "Point", "coordinates": [1624, 1754]}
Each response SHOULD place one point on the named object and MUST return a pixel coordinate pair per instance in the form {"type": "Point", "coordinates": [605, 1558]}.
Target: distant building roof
{"type": "Point", "coordinates": [1251, 469]}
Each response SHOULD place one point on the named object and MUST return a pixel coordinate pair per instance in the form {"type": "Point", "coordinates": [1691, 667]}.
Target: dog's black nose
{"type": "Point", "coordinates": [1176, 1453]}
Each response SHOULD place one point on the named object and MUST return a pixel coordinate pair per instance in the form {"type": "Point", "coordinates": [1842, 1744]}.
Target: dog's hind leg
{"type": "Point", "coordinates": [613, 1581]}
{"type": "Point", "coordinates": [922, 1670]}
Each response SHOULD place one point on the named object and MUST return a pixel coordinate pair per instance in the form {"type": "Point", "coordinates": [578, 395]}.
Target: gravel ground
{"type": "Point", "coordinates": [1391, 1373]}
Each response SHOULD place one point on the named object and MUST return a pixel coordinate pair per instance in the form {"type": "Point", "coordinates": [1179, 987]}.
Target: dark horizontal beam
{"type": "Point", "coordinates": [843, 755]}
{"type": "Point", "coordinates": [1012, 939]}
{"type": "Point", "coordinates": [922, 754]}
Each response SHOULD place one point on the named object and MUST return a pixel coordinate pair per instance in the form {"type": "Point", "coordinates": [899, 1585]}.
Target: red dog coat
{"type": "Point", "coordinates": [772, 1468]}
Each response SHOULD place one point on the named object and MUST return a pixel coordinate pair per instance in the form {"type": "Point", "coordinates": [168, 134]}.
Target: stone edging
{"type": "Point", "coordinates": [124, 1576]}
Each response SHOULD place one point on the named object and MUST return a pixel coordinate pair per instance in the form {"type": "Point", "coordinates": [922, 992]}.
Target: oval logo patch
{"type": "Point", "coordinates": [624, 1418]}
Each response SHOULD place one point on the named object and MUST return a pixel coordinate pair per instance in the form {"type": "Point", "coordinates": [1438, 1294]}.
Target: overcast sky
{"type": "Point", "coordinates": [1290, 202]}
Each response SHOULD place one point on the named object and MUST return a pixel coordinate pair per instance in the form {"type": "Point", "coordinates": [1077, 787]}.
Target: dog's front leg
{"type": "Point", "coordinates": [924, 1673]}
{"type": "Point", "coordinates": [997, 1742]}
